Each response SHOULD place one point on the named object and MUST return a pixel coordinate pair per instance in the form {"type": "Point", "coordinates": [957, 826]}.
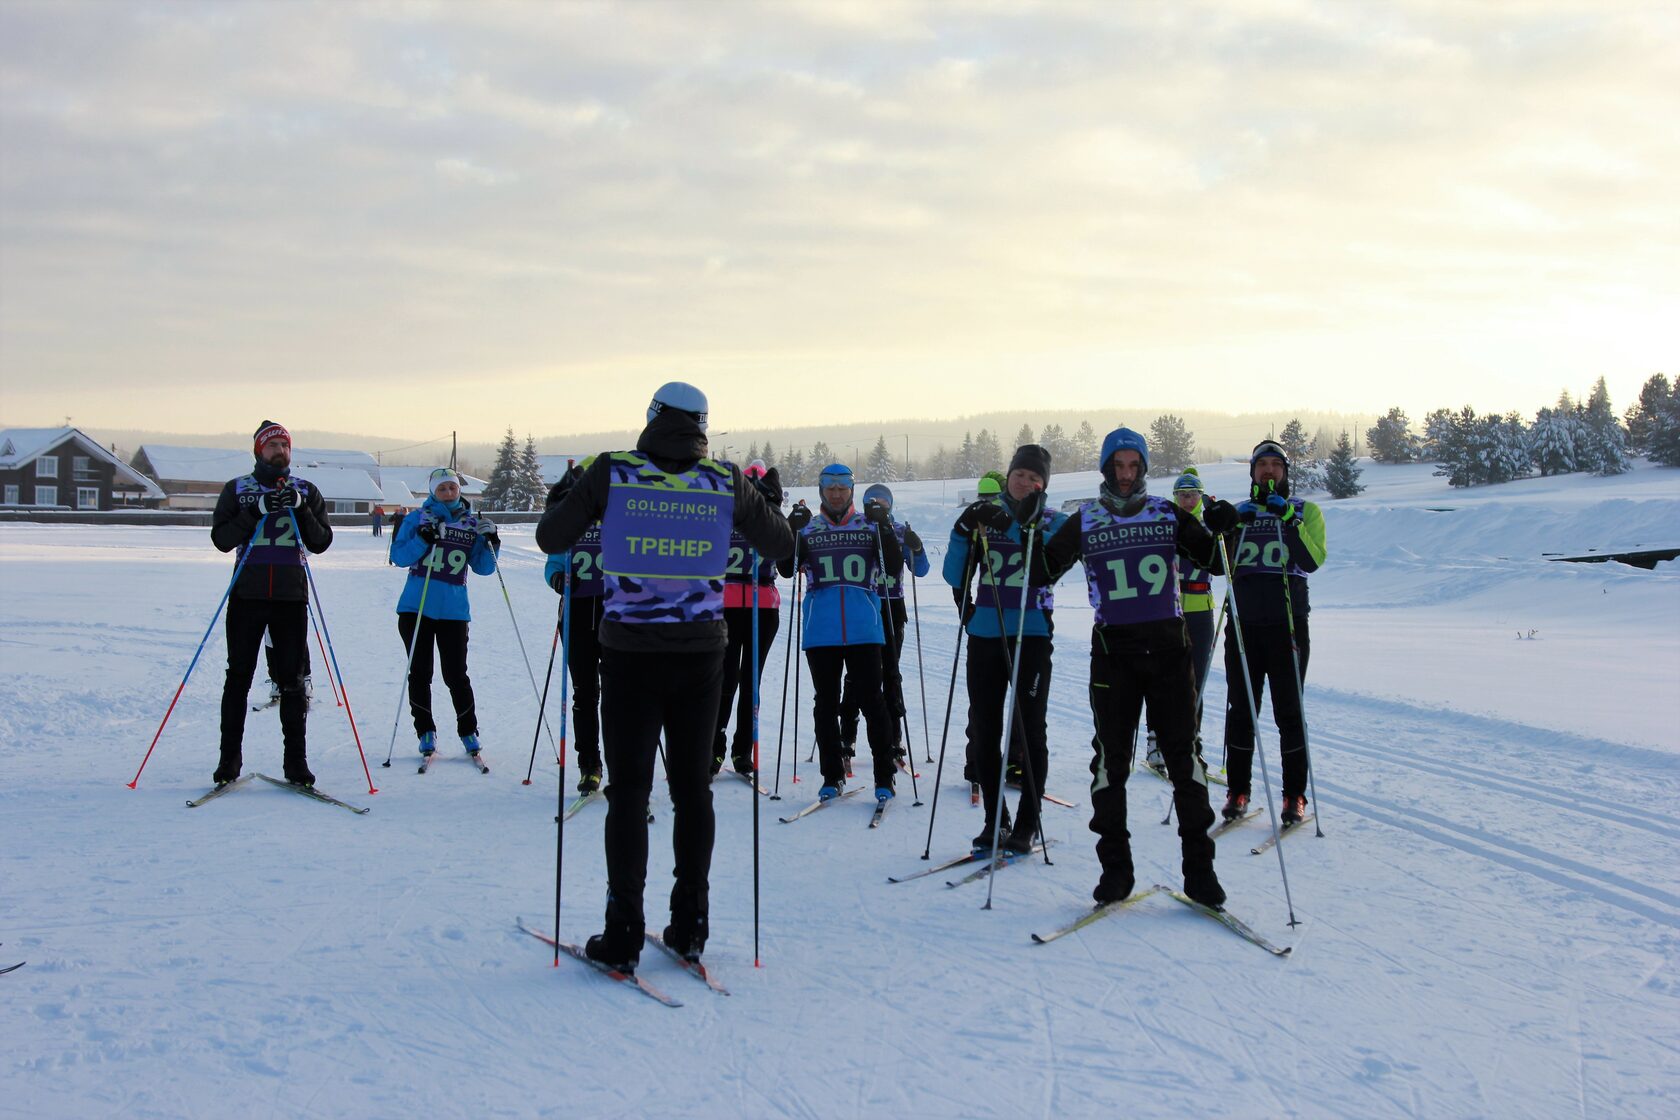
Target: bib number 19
{"type": "Point", "coordinates": [1151, 569]}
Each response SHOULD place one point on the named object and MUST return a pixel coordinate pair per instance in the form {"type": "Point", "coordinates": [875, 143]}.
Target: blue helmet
{"type": "Point", "coordinates": [1123, 439]}
{"type": "Point", "coordinates": [878, 493]}
{"type": "Point", "coordinates": [681, 396]}
{"type": "Point", "coordinates": [836, 474]}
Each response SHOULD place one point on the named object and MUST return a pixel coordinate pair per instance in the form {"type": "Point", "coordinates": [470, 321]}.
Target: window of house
{"type": "Point", "coordinates": [46, 495]}
{"type": "Point", "coordinates": [46, 466]}
{"type": "Point", "coordinates": [11, 495]}
{"type": "Point", "coordinates": [82, 464]}
{"type": "Point", "coordinates": [87, 497]}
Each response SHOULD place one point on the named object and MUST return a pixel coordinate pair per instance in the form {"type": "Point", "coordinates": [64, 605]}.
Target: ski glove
{"type": "Point", "coordinates": [286, 497]}
{"type": "Point", "coordinates": [1221, 516]}
{"type": "Point", "coordinates": [770, 486]}
{"type": "Point", "coordinates": [1280, 506]}
{"type": "Point", "coordinates": [799, 517]}
{"type": "Point", "coordinates": [1247, 512]}
{"type": "Point", "coordinates": [427, 531]}
{"type": "Point", "coordinates": [487, 530]}
{"type": "Point", "coordinates": [878, 513]}
{"type": "Point", "coordinates": [984, 513]}
{"type": "Point", "coordinates": [912, 541]}
{"type": "Point", "coordinates": [1030, 508]}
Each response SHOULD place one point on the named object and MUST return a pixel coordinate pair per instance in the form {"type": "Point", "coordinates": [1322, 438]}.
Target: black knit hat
{"type": "Point", "coordinates": [1032, 457]}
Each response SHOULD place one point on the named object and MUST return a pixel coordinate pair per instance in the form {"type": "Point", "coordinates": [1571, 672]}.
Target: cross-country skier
{"type": "Point", "coordinates": [1279, 543]}
{"type": "Point", "coordinates": [893, 618]}
{"type": "Point", "coordinates": [439, 543]}
{"type": "Point", "coordinates": [666, 512]}
{"type": "Point", "coordinates": [1130, 543]}
{"type": "Point", "coordinates": [743, 592]}
{"type": "Point", "coordinates": [844, 554]}
{"type": "Point", "coordinates": [1195, 589]}
{"type": "Point", "coordinates": [255, 513]}
{"type": "Point", "coordinates": [1000, 580]}
{"type": "Point", "coordinates": [583, 660]}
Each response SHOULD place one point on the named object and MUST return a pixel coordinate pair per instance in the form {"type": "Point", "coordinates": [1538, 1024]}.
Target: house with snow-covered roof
{"type": "Point", "coordinates": [64, 468]}
{"type": "Point", "coordinates": [407, 487]}
{"type": "Point", "coordinates": [192, 477]}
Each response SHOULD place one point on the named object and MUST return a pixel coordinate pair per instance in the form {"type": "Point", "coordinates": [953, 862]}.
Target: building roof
{"type": "Point", "coordinates": [553, 466]}
{"type": "Point", "coordinates": [339, 483]}
{"type": "Point", "coordinates": [170, 463]}
{"type": "Point", "coordinates": [414, 479]}
{"type": "Point", "coordinates": [20, 446]}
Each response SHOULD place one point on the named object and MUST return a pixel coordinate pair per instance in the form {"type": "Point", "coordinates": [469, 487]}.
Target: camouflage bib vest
{"type": "Point", "coordinates": [1131, 569]}
{"type": "Point", "coordinates": [665, 541]}
{"type": "Point", "coordinates": [275, 541]}
{"type": "Point", "coordinates": [1261, 550]}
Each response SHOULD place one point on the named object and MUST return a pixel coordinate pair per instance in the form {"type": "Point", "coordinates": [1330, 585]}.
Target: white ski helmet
{"type": "Point", "coordinates": [681, 396]}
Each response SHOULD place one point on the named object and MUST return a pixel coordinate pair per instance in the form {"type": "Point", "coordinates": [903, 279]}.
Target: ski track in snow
{"type": "Point", "coordinates": [1487, 928]}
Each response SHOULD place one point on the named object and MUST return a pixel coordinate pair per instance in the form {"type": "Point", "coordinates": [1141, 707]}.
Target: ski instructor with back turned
{"type": "Point", "coordinates": [255, 513]}
{"type": "Point", "coordinates": [666, 512]}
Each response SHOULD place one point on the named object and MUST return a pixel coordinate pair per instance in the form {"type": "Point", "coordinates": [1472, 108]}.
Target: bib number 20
{"type": "Point", "coordinates": [1274, 555]}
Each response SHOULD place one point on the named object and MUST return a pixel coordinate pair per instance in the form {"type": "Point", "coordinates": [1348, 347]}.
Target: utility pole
{"type": "Point", "coordinates": [453, 449]}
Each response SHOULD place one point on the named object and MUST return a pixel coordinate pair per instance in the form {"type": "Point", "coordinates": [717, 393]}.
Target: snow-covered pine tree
{"type": "Point", "coordinates": [1086, 446]}
{"type": "Point", "coordinates": [987, 455]}
{"type": "Point", "coordinates": [1663, 440]}
{"type": "Point", "coordinates": [879, 466]}
{"type": "Point", "coordinates": [1172, 446]}
{"type": "Point", "coordinates": [1608, 439]}
{"type": "Point", "coordinates": [792, 469]}
{"type": "Point", "coordinates": [1054, 440]}
{"type": "Point", "coordinates": [1551, 442]}
{"type": "Point", "coordinates": [1457, 443]}
{"type": "Point", "coordinates": [1341, 472]}
{"type": "Point", "coordinates": [1390, 439]}
{"type": "Point", "coordinates": [1023, 437]}
{"type": "Point", "coordinates": [504, 476]}
{"type": "Point", "coordinates": [821, 457]}
{"type": "Point", "coordinates": [1437, 433]}
{"type": "Point", "coordinates": [769, 456]}
{"type": "Point", "coordinates": [1644, 415]}
{"type": "Point", "coordinates": [1508, 452]}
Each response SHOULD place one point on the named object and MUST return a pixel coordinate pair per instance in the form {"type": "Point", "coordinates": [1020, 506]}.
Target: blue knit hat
{"type": "Point", "coordinates": [1189, 480]}
{"type": "Point", "coordinates": [1123, 439]}
{"type": "Point", "coordinates": [878, 493]}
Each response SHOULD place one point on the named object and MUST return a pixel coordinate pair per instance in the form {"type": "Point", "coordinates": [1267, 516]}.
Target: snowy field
{"type": "Point", "coordinates": [1490, 926]}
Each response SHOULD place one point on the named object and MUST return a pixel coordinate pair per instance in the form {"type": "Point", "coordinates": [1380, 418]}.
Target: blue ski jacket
{"type": "Point", "coordinates": [446, 595]}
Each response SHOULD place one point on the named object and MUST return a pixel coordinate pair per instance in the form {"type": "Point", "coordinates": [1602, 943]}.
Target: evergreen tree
{"type": "Point", "coordinates": [1341, 475]}
{"type": "Point", "coordinates": [1606, 437]}
{"type": "Point", "coordinates": [1172, 446]}
{"type": "Point", "coordinates": [504, 476]}
{"type": "Point", "coordinates": [1645, 418]}
{"type": "Point", "coordinates": [1390, 440]}
{"type": "Point", "coordinates": [966, 462]}
{"type": "Point", "coordinates": [1663, 444]}
{"type": "Point", "coordinates": [792, 469]}
{"type": "Point", "coordinates": [1086, 445]}
{"type": "Point", "coordinates": [1437, 433]}
{"type": "Point", "coordinates": [752, 451]}
{"type": "Point", "coordinates": [1456, 445]}
{"type": "Point", "coordinates": [821, 457]}
{"type": "Point", "coordinates": [987, 455]}
{"type": "Point", "coordinates": [1024, 436]}
{"type": "Point", "coordinates": [1551, 443]}
{"type": "Point", "coordinates": [1054, 440]}
{"type": "Point", "coordinates": [1294, 441]}
{"type": "Point", "coordinates": [531, 490]}
{"type": "Point", "coordinates": [768, 455]}
{"type": "Point", "coordinates": [879, 465]}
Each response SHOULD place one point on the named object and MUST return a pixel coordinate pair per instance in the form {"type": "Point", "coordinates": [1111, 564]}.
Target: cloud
{"type": "Point", "coordinates": [903, 198]}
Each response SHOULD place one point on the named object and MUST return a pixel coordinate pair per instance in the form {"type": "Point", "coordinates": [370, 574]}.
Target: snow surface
{"type": "Point", "coordinates": [1489, 927]}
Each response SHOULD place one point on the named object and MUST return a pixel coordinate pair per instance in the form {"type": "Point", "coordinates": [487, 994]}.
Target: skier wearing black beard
{"type": "Point", "coordinates": [261, 515]}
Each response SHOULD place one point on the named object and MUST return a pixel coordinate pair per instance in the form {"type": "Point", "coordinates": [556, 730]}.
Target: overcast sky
{"type": "Point", "coordinates": [372, 216]}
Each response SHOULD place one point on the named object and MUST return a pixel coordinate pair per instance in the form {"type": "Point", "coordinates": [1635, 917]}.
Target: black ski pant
{"type": "Point", "coordinates": [583, 663]}
{"type": "Point", "coordinates": [988, 690]}
{"type": "Point", "coordinates": [862, 663]}
{"type": "Point", "coordinates": [892, 681]}
{"type": "Point", "coordinates": [1123, 681]}
{"type": "Point", "coordinates": [1269, 658]}
{"type": "Point", "coordinates": [1200, 626]}
{"type": "Point", "coordinates": [287, 622]}
{"type": "Point", "coordinates": [739, 673]}
{"type": "Point", "coordinates": [642, 695]}
{"type": "Point", "coordinates": [450, 637]}
{"type": "Point", "coordinates": [273, 662]}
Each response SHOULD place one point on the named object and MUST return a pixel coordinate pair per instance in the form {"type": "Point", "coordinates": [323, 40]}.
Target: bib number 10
{"type": "Point", "coordinates": [1152, 570]}
{"type": "Point", "coordinates": [1274, 555]}
{"type": "Point", "coordinates": [853, 569]}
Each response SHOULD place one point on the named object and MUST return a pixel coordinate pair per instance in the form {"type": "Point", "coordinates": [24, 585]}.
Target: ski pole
{"type": "Point", "coordinates": [1301, 702]}
{"type": "Point", "coordinates": [332, 654]}
{"type": "Point", "coordinates": [325, 664]}
{"type": "Point", "coordinates": [798, 639]}
{"type": "Point", "coordinates": [1012, 715]}
{"type": "Point", "coordinates": [787, 664]}
{"type": "Point", "coordinates": [921, 673]}
{"type": "Point", "coordinates": [890, 632]}
{"type": "Point", "coordinates": [565, 710]}
{"type": "Point", "coordinates": [542, 720]}
{"type": "Point", "coordinates": [548, 678]}
{"type": "Point", "coordinates": [1009, 717]}
{"type": "Point", "coordinates": [950, 696]}
{"type": "Point", "coordinates": [1254, 718]}
{"type": "Point", "coordinates": [413, 644]}
{"type": "Point", "coordinates": [245, 550]}
{"type": "Point", "coordinates": [757, 961]}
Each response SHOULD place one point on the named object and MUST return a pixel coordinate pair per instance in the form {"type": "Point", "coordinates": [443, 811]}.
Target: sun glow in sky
{"type": "Point", "coordinates": [532, 214]}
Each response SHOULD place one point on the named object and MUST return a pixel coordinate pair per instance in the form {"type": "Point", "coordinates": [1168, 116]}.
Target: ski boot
{"type": "Point", "coordinates": [470, 742]}
{"type": "Point", "coordinates": [829, 793]}
{"type": "Point", "coordinates": [983, 840]}
{"type": "Point", "coordinates": [1294, 809]}
{"type": "Point", "coordinates": [1236, 805]}
{"type": "Point", "coordinates": [618, 946]}
{"type": "Point", "coordinates": [428, 743]}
